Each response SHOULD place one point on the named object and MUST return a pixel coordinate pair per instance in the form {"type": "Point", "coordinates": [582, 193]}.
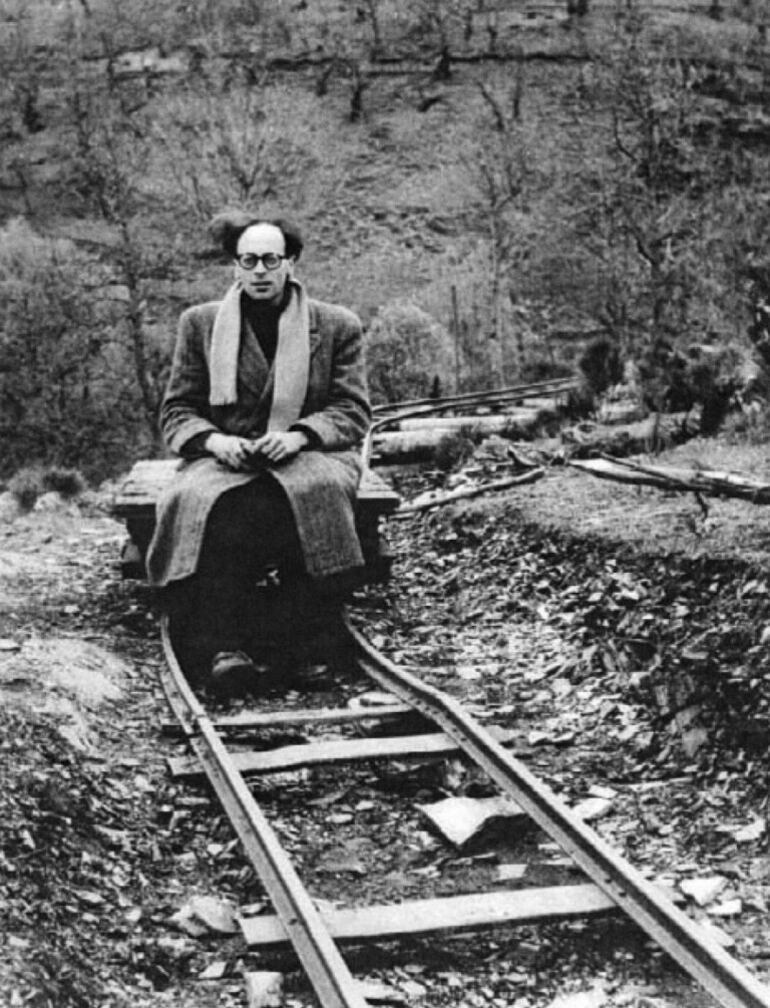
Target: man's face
{"type": "Point", "coordinates": [259, 282]}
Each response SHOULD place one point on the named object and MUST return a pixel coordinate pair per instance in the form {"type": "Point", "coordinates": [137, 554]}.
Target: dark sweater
{"type": "Point", "coordinates": [263, 320]}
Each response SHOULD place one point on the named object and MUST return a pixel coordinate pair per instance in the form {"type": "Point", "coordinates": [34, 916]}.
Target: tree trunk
{"type": "Point", "coordinates": [137, 335]}
{"type": "Point", "coordinates": [495, 341]}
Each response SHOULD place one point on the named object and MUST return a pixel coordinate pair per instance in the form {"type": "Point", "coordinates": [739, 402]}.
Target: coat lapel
{"type": "Point", "coordinates": [315, 341]}
{"type": "Point", "coordinates": [315, 331]}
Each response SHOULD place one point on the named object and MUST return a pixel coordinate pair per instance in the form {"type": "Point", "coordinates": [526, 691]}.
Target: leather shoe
{"type": "Point", "coordinates": [232, 673]}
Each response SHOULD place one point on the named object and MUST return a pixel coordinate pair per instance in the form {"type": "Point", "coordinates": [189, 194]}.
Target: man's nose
{"type": "Point", "coordinates": [260, 267]}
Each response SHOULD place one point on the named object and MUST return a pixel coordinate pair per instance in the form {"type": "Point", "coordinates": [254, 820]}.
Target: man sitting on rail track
{"type": "Point", "coordinates": [266, 404]}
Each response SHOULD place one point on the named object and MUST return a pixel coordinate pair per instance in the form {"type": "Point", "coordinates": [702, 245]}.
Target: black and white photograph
{"type": "Point", "coordinates": [384, 503]}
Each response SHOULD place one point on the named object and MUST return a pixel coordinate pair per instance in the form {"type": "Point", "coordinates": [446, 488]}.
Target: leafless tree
{"type": "Point", "coordinates": [653, 201]}
{"type": "Point", "coordinates": [110, 156]}
{"type": "Point", "coordinates": [500, 171]}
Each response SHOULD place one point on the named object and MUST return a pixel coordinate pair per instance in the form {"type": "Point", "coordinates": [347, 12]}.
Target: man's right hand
{"type": "Point", "coordinates": [230, 450]}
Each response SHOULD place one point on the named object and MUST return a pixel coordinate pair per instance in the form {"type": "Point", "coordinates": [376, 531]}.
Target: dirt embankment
{"type": "Point", "coordinates": [620, 632]}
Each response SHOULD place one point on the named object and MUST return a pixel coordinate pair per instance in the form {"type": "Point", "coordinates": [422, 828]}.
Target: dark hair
{"type": "Point", "coordinates": [227, 227]}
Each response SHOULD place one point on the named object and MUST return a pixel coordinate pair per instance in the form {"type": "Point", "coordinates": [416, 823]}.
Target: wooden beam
{"type": "Point", "coordinates": [475, 910]}
{"type": "Point", "coordinates": [475, 491]}
{"type": "Point", "coordinates": [294, 757]}
{"type": "Point", "coordinates": [149, 478]}
{"type": "Point", "coordinates": [246, 720]}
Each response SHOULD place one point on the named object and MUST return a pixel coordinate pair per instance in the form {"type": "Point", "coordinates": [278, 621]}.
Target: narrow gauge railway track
{"type": "Point", "coordinates": [390, 415]}
{"type": "Point", "coordinates": [615, 884]}
{"type": "Point", "coordinates": [467, 400]}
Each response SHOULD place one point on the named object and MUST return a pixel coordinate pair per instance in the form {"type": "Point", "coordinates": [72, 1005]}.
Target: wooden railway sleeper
{"type": "Point", "coordinates": [317, 952]}
{"type": "Point", "coordinates": [719, 973]}
{"type": "Point", "coordinates": [616, 883]}
{"type": "Point", "coordinates": [298, 922]}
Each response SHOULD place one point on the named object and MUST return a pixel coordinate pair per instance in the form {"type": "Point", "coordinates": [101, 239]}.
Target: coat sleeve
{"type": "Point", "coordinates": [344, 419]}
{"type": "Point", "coordinates": [185, 412]}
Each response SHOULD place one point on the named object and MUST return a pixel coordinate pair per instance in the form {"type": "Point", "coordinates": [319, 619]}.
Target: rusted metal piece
{"type": "Point", "coordinates": [320, 957]}
{"type": "Point", "coordinates": [719, 973]}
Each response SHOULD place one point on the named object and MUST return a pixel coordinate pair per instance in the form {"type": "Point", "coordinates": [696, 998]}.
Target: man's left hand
{"type": "Point", "coordinates": [279, 446]}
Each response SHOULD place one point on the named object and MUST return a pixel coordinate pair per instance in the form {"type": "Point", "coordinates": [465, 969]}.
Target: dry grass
{"type": "Point", "coordinates": [651, 520]}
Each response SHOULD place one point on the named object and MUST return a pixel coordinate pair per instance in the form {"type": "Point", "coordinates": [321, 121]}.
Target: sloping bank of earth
{"type": "Point", "coordinates": [97, 847]}
{"type": "Point", "coordinates": [625, 636]}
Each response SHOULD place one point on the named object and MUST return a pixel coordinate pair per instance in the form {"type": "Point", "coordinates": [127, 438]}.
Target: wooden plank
{"type": "Point", "coordinates": [438, 498]}
{"type": "Point", "coordinates": [149, 477]}
{"type": "Point", "coordinates": [475, 910]}
{"type": "Point", "coordinates": [137, 496]}
{"type": "Point", "coordinates": [141, 488]}
{"type": "Point", "coordinates": [294, 757]}
{"type": "Point", "coordinates": [272, 719]}
{"type": "Point", "coordinates": [375, 494]}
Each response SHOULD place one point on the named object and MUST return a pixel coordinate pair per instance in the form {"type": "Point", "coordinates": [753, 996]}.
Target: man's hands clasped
{"type": "Point", "coordinates": [244, 454]}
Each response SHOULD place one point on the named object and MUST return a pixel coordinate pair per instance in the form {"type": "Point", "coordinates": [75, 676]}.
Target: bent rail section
{"type": "Point", "coordinates": [325, 967]}
{"type": "Point", "coordinates": [706, 961]}
{"type": "Point", "coordinates": [614, 883]}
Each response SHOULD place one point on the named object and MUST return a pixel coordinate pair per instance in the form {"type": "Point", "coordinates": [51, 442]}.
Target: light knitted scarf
{"type": "Point", "coordinates": [292, 356]}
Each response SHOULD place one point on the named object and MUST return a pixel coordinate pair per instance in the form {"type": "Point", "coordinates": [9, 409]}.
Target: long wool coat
{"type": "Point", "coordinates": [320, 483]}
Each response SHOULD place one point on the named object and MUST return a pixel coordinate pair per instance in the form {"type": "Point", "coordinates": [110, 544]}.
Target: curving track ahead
{"type": "Point", "coordinates": [615, 882]}
{"type": "Point", "coordinates": [391, 414]}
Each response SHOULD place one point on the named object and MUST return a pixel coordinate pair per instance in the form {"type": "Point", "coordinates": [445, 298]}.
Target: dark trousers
{"type": "Point", "coordinates": [250, 528]}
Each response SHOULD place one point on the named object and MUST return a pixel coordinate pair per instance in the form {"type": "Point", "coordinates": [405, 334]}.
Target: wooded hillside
{"type": "Point", "coordinates": [496, 187]}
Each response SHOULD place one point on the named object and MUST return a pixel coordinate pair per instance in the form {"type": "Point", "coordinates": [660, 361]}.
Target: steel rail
{"type": "Point", "coordinates": [409, 409]}
{"type": "Point", "coordinates": [706, 961]}
{"type": "Point", "coordinates": [320, 957]}
{"type": "Point", "coordinates": [470, 398]}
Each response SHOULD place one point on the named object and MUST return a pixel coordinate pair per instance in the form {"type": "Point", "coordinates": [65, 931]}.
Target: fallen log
{"type": "Point", "coordinates": [490, 423]}
{"type": "Point", "coordinates": [419, 443]}
{"type": "Point", "coordinates": [435, 499]}
{"type": "Point", "coordinates": [587, 439]}
{"type": "Point", "coordinates": [583, 440]}
{"type": "Point", "coordinates": [709, 482]}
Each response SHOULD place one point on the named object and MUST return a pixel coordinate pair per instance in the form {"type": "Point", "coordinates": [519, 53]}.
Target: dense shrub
{"type": "Point", "coordinates": [67, 482]}
{"type": "Point", "coordinates": [705, 376]}
{"type": "Point", "coordinates": [66, 391]}
{"type": "Point", "coordinates": [600, 364]}
{"type": "Point", "coordinates": [454, 449]}
{"type": "Point", "coordinates": [409, 354]}
{"type": "Point", "coordinates": [31, 481]}
{"type": "Point", "coordinates": [26, 486]}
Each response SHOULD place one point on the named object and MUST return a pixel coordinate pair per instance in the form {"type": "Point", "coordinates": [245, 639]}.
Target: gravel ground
{"type": "Point", "coordinates": [561, 611]}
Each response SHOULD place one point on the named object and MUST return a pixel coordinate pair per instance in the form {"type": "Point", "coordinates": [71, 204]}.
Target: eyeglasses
{"type": "Point", "coordinates": [270, 260]}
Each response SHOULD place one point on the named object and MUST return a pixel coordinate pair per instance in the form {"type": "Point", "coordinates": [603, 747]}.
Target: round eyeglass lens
{"type": "Point", "coordinates": [270, 260]}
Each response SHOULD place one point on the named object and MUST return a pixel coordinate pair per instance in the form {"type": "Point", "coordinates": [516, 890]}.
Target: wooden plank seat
{"type": "Point", "coordinates": [136, 498]}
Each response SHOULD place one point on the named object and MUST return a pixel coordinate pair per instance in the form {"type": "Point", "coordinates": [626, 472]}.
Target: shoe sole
{"type": "Point", "coordinates": [234, 681]}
